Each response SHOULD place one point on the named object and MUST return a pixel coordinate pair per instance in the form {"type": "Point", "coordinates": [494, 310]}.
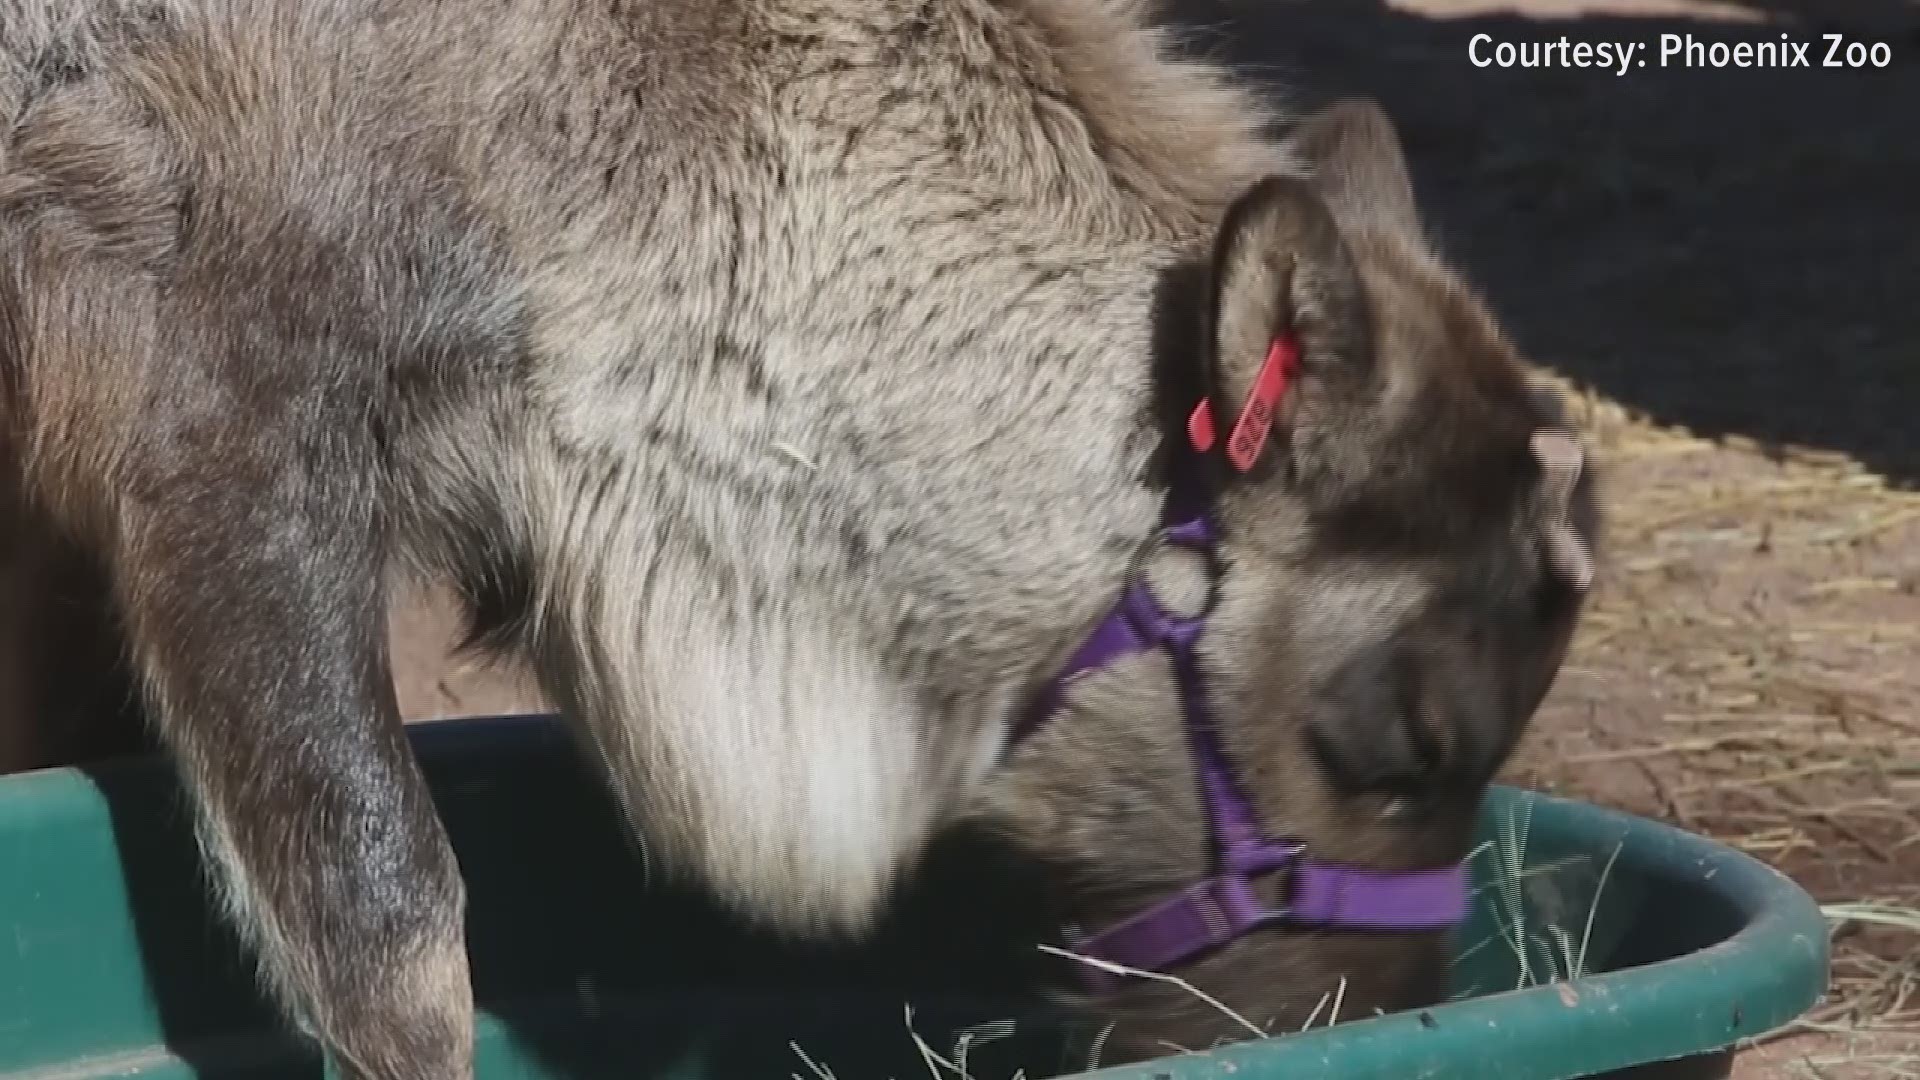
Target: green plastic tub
{"type": "Point", "coordinates": [588, 966]}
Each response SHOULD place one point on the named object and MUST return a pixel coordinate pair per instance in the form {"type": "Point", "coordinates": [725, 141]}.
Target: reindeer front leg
{"type": "Point", "coordinates": [247, 561]}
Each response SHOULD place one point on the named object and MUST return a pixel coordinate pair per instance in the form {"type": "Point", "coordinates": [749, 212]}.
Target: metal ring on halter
{"type": "Point", "coordinates": [1136, 572]}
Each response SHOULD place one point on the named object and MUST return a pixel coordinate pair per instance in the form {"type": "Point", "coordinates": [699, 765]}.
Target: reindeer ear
{"type": "Point", "coordinates": [1358, 166]}
{"type": "Point", "coordinates": [1289, 318]}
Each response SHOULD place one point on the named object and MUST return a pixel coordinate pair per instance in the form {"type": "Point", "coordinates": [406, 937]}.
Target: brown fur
{"type": "Point", "coordinates": [1369, 697]}
{"type": "Point", "coordinates": [792, 381]}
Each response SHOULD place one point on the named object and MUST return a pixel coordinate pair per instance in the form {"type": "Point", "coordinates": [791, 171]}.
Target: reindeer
{"type": "Point", "coordinates": [867, 416]}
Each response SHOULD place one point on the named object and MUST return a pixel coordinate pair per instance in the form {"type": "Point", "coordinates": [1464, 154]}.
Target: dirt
{"type": "Point", "coordinates": [1726, 263]}
{"type": "Point", "coordinates": [435, 679]}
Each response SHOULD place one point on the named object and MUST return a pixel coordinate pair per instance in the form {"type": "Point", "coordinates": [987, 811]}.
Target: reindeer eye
{"type": "Point", "coordinates": [1553, 597]}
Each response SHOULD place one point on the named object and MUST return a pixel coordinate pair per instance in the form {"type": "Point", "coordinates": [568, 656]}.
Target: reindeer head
{"type": "Point", "coordinates": [1404, 539]}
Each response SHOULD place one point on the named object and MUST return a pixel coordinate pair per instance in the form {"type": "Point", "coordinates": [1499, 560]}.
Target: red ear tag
{"type": "Point", "coordinates": [1200, 426]}
{"type": "Point", "coordinates": [1250, 432]}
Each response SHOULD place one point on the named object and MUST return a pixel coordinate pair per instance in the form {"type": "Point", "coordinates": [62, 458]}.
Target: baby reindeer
{"type": "Point", "coordinates": [866, 415]}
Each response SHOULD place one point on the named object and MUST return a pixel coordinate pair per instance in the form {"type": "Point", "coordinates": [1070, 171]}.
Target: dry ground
{"type": "Point", "coordinates": [1727, 264]}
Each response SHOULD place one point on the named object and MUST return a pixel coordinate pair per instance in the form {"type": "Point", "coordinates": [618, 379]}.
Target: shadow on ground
{"type": "Point", "coordinates": [1735, 251]}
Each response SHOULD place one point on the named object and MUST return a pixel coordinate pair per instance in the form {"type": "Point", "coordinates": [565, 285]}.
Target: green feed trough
{"type": "Point", "coordinates": [587, 966]}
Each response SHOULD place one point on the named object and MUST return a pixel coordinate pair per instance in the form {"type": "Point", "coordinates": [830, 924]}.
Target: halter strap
{"type": "Point", "coordinates": [1222, 908]}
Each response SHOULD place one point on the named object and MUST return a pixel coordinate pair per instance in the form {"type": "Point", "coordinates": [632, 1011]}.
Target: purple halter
{"type": "Point", "coordinates": [1223, 908]}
